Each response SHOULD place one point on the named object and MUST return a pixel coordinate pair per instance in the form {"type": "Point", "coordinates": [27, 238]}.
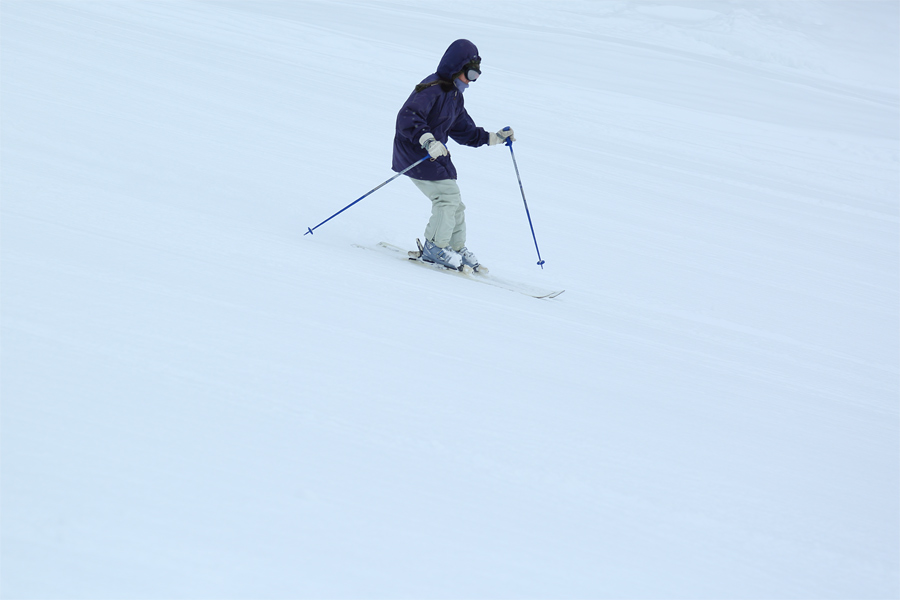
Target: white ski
{"type": "Point", "coordinates": [479, 276]}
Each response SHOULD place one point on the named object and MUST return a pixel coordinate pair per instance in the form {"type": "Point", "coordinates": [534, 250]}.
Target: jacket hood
{"type": "Point", "coordinates": [455, 58]}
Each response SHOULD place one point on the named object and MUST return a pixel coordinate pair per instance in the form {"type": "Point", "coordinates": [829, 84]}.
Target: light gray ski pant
{"type": "Point", "coordinates": [447, 225]}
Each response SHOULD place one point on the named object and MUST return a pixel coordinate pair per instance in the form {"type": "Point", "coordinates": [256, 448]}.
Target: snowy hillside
{"type": "Point", "coordinates": [200, 402]}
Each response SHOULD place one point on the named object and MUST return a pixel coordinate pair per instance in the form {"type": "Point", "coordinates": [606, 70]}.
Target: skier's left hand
{"type": "Point", "coordinates": [500, 136]}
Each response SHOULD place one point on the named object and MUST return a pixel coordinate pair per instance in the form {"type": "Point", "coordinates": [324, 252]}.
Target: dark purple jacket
{"type": "Point", "coordinates": [438, 110]}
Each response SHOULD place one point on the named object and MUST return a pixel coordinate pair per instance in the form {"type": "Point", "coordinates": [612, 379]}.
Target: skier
{"type": "Point", "coordinates": [432, 113]}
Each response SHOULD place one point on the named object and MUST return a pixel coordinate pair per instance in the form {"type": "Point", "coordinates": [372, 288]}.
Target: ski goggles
{"type": "Point", "coordinates": [473, 69]}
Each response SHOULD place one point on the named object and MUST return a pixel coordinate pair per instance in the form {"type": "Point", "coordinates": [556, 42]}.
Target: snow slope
{"type": "Point", "coordinates": [198, 401]}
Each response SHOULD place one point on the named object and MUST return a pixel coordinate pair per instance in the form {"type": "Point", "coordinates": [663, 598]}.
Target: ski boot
{"type": "Point", "coordinates": [446, 257]}
{"type": "Point", "coordinates": [468, 259]}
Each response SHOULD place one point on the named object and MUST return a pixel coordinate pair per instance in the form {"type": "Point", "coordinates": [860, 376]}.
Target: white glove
{"type": "Point", "coordinates": [500, 136]}
{"type": "Point", "coordinates": [432, 146]}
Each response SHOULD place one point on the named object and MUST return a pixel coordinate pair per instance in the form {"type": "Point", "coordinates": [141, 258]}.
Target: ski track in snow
{"type": "Point", "coordinates": [199, 401]}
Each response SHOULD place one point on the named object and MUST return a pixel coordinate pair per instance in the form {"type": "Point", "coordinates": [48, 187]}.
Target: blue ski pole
{"type": "Point", "coordinates": [418, 162]}
{"type": "Point", "coordinates": [513, 154]}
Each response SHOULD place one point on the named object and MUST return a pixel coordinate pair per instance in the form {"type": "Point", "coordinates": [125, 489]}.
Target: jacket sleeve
{"type": "Point", "coordinates": [466, 133]}
{"type": "Point", "coordinates": [412, 122]}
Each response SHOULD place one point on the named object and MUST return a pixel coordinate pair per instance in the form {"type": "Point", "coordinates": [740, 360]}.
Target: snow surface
{"type": "Point", "coordinates": [200, 402]}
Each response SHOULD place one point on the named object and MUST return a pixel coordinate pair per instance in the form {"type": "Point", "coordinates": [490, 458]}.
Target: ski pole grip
{"type": "Point", "coordinates": [508, 140]}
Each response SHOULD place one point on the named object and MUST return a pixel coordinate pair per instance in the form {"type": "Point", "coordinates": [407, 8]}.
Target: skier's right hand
{"type": "Point", "coordinates": [500, 136]}
{"type": "Point", "coordinates": [434, 148]}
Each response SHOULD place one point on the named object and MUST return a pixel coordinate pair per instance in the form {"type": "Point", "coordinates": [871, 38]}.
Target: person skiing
{"type": "Point", "coordinates": [434, 112]}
